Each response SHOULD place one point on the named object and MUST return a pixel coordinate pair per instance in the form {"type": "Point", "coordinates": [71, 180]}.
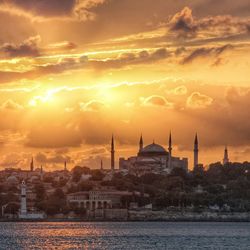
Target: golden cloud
{"type": "Point", "coordinates": [197, 100]}
{"type": "Point", "coordinates": [156, 100]}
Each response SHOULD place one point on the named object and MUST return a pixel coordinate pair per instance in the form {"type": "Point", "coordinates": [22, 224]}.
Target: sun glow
{"type": "Point", "coordinates": [48, 98]}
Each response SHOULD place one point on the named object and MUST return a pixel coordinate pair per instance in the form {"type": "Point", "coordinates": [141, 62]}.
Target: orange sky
{"type": "Point", "coordinates": [72, 72]}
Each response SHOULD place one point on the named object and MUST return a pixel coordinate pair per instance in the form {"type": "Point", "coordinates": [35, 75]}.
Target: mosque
{"type": "Point", "coordinates": [154, 158]}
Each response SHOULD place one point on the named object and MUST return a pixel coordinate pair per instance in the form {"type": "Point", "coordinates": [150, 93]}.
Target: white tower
{"type": "Point", "coordinates": [23, 199]}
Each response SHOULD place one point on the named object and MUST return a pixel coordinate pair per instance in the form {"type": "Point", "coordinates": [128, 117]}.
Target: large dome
{"type": "Point", "coordinates": [153, 149]}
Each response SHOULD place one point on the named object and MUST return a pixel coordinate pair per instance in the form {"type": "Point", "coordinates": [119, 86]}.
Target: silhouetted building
{"type": "Point", "coordinates": [153, 158]}
{"type": "Point", "coordinates": [112, 154]}
{"type": "Point", "coordinates": [32, 165]}
{"type": "Point", "coordinates": [226, 158]}
{"type": "Point", "coordinates": [196, 151]}
{"type": "Point", "coordinates": [141, 143]}
{"type": "Point", "coordinates": [170, 151]}
{"type": "Point", "coordinates": [101, 165]}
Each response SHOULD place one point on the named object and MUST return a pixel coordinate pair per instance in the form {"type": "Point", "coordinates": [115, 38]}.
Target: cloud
{"type": "Point", "coordinates": [55, 158]}
{"type": "Point", "coordinates": [126, 59]}
{"type": "Point", "coordinates": [45, 9]}
{"type": "Point", "coordinates": [156, 100]}
{"type": "Point", "coordinates": [28, 48]}
{"type": "Point", "coordinates": [183, 23]}
{"type": "Point", "coordinates": [179, 90]}
{"type": "Point", "coordinates": [197, 100]}
{"type": "Point", "coordinates": [92, 106]}
{"type": "Point", "coordinates": [65, 45]}
{"type": "Point", "coordinates": [206, 52]}
{"type": "Point", "coordinates": [59, 67]}
{"type": "Point", "coordinates": [11, 105]}
{"type": "Point", "coordinates": [68, 64]}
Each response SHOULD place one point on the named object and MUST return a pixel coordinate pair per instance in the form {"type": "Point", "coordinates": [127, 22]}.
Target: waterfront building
{"type": "Point", "coordinates": [98, 199]}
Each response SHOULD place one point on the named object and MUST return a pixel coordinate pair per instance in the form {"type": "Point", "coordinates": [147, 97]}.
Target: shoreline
{"type": "Point", "coordinates": [119, 221]}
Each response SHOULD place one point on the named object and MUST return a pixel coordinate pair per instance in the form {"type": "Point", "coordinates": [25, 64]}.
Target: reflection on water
{"type": "Point", "coordinates": [126, 235]}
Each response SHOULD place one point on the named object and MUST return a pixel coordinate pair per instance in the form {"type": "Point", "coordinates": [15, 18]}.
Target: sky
{"type": "Point", "coordinates": [74, 72]}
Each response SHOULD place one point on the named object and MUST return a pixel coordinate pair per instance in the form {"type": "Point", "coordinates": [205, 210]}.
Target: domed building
{"type": "Point", "coordinates": [153, 150]}
{"type": "Point", "coordinates": [153, 158]}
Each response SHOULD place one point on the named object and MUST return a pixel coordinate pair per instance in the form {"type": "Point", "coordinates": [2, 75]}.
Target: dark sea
{"type": "Point", "coordinates": [125, 235]}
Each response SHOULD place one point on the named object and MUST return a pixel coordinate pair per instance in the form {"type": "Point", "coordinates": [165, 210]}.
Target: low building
{"type": "Point", "coordinates": [98, 199]}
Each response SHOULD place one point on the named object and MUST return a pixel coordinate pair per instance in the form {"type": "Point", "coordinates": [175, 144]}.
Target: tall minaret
{"type": "Point", "coordinates": [41, 172]}
{"type": "Point", "coordinates": [170, 151]}
{"type": "Point", "coordinates": [101, 164]}
{"type": "Point", "coordinates": [32, 165]}
{"type": "Point", "coordinates": [112, 154]}
{"type": "Point", "coordinates": [226, 158]}
{"type": "Point", "coordinates": [23, 210]}
{"type": "Point", "coordinates": [196, 151]}
{"type": "Point", "coordinates": [65, 166]}
{"type": "Point", "coordinates": [141, 144]}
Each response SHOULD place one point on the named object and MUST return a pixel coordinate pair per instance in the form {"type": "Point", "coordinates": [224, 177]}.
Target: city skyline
{"type": "Point", "coordinates": [114, 163]}
{"type": "Point", "coordinates": [75, 72]}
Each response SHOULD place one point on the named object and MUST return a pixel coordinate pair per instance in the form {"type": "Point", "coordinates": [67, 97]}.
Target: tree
{"type": "Point", "coordinates": [40, 192]}
{"type": "Point", "coordinates": [78, 171]}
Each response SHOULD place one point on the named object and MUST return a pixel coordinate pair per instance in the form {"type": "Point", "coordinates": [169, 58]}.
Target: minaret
{"type": "Point", "coordinates": [101, 165]}
{"type": "Point", "coordinates": [141, 144]}
{"type": "Point", "coordinates": [170, 151]}
{"type": "Point", "coordinates": [112, 154]}
{"type": "Point", "coordinates": [32, 165]}
{"type": "Point", "coordinates": [23, 210]}
{"type": "Point", "coordinates": [65, 166]}
{"type": "Point", "coordinates": [226, 158]}
{"type": "Point", "coordinates": [196, 151]}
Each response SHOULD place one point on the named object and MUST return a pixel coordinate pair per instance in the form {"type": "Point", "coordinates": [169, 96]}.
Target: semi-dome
{"type": "Point", "coordinates": [152, 149]}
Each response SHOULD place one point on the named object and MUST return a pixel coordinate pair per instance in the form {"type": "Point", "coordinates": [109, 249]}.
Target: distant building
{"type": "Point", "coordinates": [153, 158]}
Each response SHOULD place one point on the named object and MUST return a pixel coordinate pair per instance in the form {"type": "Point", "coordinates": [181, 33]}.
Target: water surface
{"type": "Point", "coordinates": [125, 235]}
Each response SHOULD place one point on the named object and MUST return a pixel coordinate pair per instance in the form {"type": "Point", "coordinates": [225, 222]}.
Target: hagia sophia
{"type": "Point", "coordinates": [154, 158]}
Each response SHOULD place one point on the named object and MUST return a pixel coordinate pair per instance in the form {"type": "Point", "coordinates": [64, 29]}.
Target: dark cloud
{"type": "Point", "coordinates": [45, 8]}
{"type": "Point", "coordinates": [183, 23]}
{"type": "Point", "coordinates": [55, 158]}
{"type": "Point", "coordinates": [28, 48]}
{"type": "Point", "coordinates": [206, 52]}
{"type": "Point", "coordinates": [38, 9]}
{"type": "Point", "coordinates": [224, 121]}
